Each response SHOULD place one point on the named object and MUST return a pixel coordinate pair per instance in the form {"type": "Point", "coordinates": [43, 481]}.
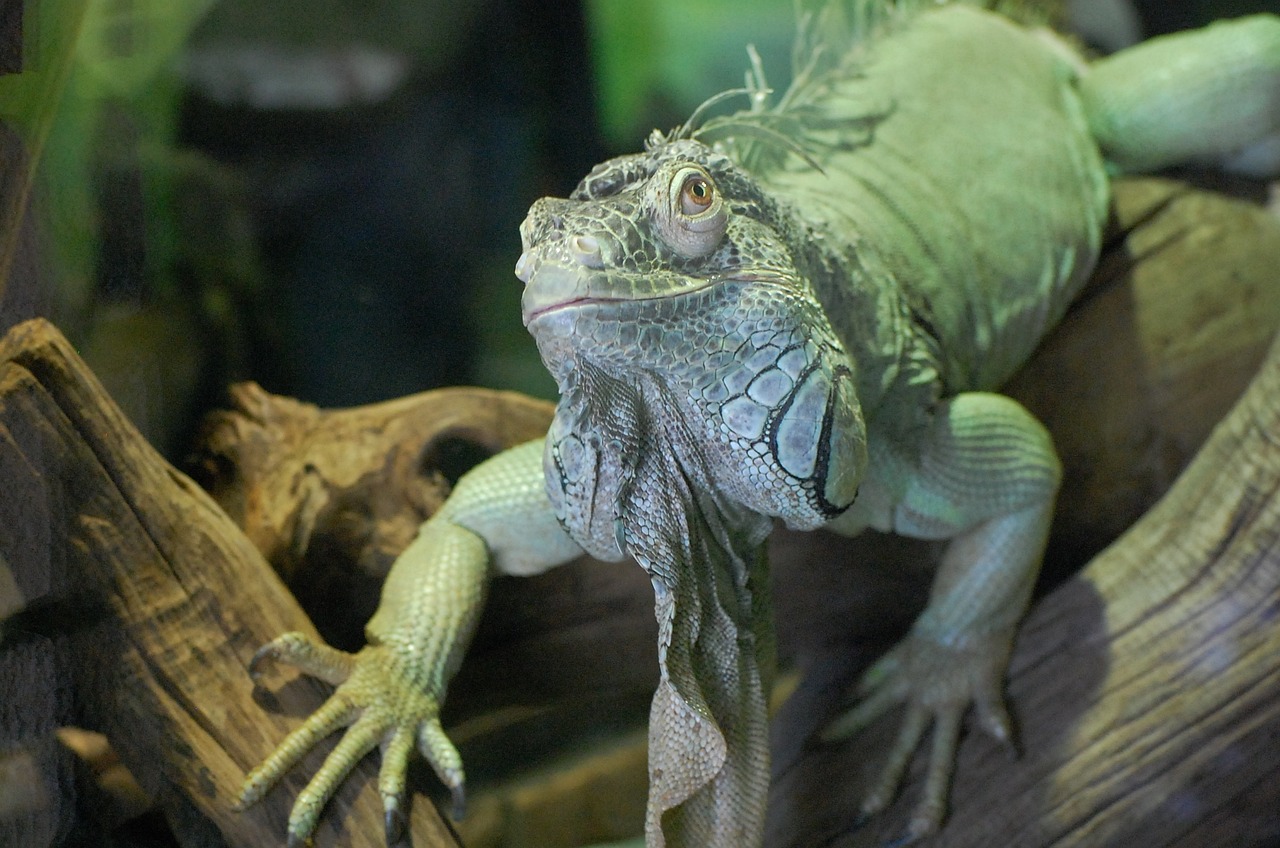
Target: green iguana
{"type": "Point", "coordinates": [802, 321]}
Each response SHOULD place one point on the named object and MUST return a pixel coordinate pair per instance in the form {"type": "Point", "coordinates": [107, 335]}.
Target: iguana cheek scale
{"type": "Point", "coordinates": [802, 321]}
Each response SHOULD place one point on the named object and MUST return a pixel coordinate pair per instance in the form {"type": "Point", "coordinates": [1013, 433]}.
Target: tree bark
{"type": "Point", "coordinates": [331, 497]}
{"type": "Point", "coordinates": [153, 603]}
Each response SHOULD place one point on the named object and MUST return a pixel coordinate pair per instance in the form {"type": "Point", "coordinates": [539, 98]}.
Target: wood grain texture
{"type": "Point", "coordinates": [91, 511]}
{"type": "Point", "coordinates": [330, 497]}
{"type": "Point", "coordinates": [1174, 323]}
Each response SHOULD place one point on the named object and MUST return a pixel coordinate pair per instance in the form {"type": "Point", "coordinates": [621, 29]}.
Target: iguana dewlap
{"type": "Point", "coordinates": [803, 321]}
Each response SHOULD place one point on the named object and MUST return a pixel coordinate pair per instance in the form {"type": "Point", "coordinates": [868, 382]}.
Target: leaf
{"type": "Point", "coordinates": [82, 55]}
{"type": "Point", "coordinates": [29, 103]}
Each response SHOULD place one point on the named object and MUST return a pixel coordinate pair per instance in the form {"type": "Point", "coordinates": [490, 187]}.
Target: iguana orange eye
{"type": "Point", "coordinates": [696, 195]}
{"type": "Point", "coordinates": [690, 215]}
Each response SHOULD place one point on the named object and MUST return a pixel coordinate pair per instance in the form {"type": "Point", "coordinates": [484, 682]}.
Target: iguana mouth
{"type": "Point", "coordinates": [534, 308]}
{"type": "Point", "coordinates": [552, 286]}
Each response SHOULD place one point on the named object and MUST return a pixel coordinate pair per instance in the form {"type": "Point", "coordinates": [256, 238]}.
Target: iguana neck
{"type": "Point", "coordinates": [745, 380]}
{"type": "Point", "coordinates": [611, 430]}
{"type": "Point", "coordinates": [879, 320]}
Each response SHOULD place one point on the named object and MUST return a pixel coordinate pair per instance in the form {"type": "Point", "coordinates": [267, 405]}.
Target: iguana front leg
{"type": "Point", "coordinates": [986, 478]}
{"type": "Point", "coordinates": [389, 694]}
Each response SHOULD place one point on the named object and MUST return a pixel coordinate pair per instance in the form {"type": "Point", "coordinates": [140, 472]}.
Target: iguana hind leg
{"type": "Point", "coordinates": [986, 479]}
{"type": "Point", "coordinates": [1203, 94]}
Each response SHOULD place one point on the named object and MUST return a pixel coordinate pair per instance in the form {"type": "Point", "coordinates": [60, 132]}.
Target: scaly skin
{"type": "Point", "coordinates": [812, 338]}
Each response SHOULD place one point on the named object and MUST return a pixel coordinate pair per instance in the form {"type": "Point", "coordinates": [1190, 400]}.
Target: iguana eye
{"type": "Point", "coordinates": [696, 195]}
{"type": "Point", "coordinates": [693, 218]}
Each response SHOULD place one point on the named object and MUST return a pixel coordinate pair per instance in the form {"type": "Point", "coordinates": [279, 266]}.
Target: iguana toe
{"type": "Point", "coordinates": [938, 684]}
{"type": "Point", "coordinates": [446, 761]}
{"type": "Point", "coordinates": [332, 715]}
{"type": "Point", "coordinates": [380, 707]}
{"type": "Point", "coordinates": [305, 654]}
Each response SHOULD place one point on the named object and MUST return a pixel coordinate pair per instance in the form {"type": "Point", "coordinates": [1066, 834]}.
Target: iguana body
{"type": "Point", "coordinates": [812, 339]}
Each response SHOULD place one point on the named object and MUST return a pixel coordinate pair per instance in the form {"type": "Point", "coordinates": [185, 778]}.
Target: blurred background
{"type": "Point", "coordinates": [324, 197]}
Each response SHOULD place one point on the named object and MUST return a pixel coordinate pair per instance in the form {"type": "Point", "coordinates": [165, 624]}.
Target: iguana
{"type": "Point", "coordinates": [797, 312]}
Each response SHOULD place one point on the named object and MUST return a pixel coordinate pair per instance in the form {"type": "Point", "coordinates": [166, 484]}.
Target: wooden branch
{"type": "Point", "coordinates": [1172, 327]}
{"type": "Point", "coordinates": [331, 497]}
{"type": "Point", "coordinates": [92, 518]}
{"type": "Point", "coordinates": [1148, 688]}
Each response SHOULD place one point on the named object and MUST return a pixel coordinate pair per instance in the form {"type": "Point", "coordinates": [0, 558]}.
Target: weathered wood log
{"type": "Point", "coordinates": [92, 518]}
{"type": "Point", "coordinates": [330, 498]}
{"type": "Point", "coordinates": [1173, 325]}
{"type": "Point", "coordinates": [1147, 689]}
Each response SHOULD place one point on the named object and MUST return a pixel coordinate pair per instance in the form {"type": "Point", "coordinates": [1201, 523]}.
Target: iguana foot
{"type": "Point", "coordinates": [380, 705]}
{"type": "Point", "coordinates": [938, 683]}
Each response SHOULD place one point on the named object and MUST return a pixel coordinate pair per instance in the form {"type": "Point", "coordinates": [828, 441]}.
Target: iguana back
{"type": "Point", "coordinates": [957, 164]}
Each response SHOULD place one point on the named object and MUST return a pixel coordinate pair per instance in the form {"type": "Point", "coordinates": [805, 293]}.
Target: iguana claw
{"type": "Point", "coordinates": [938, 683]}
{"type": "Point", "coordinates": [397, 826]}
{"type": "Point", "coordinates": [379, 705]}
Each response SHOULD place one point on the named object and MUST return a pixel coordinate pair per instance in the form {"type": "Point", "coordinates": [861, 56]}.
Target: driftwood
{"type": "Point", "coordinates": [162, 602]}
{"type": "Point", "coordinates": [1146, 689]}
{"type": "Point", "coordinates": [330, 498]}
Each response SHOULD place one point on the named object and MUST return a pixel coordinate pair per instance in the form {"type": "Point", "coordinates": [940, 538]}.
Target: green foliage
{"type": "Point", "coordinates": [96, 88]}
{"type": "Point", "coordinates": [656, 60]}
{"type": "Point", "coordinates": [29, 104]}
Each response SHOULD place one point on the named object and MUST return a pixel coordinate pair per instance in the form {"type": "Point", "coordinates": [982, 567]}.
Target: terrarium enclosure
{"type": "Point", "coordinates": [249, 251]}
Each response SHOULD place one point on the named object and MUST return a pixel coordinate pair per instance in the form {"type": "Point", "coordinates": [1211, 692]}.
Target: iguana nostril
{"type": "Point", "coordinates": [586, 249]}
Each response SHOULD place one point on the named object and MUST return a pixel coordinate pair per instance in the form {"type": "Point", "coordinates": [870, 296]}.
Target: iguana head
{"type": "Point", "coordinates": [659, 224]}
{"type": "Point", "coordinates": [673, 265]}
